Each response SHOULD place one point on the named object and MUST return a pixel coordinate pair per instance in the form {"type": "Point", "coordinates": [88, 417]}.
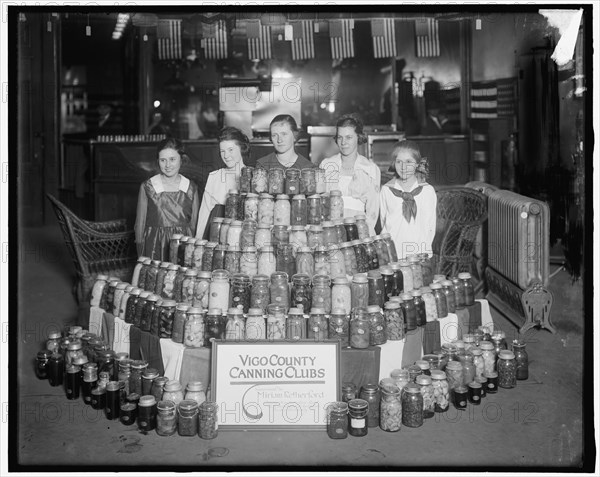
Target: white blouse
{"type": "Point", "coordinates": [417, 235]}
{"type": "Point", "coordinates": [218, 184]}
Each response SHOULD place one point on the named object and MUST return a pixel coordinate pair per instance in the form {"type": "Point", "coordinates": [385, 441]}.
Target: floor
{"type": "Point", "coordinates": [537, 424]}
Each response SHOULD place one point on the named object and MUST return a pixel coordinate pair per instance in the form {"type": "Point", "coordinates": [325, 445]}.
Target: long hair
{"type": "Point", "coordinates": [422, 166]}
{"type": "Point", "coordinates": [230, 133]}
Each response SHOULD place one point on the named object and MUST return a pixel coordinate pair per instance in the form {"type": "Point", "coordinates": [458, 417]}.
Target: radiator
{"type": "Point", "coordinates": [517, 258]}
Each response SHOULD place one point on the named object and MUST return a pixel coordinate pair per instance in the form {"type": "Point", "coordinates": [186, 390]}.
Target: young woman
{"type": "Point", "coordinates": [167, 203]}
{"type": "Point", "coordinates": [284, 134]}
{"type": "Point", "coordinates": [356, 176]}
{"type": "Point", "coordinates": [407, 206]}
{"type": "Point", "coordinates": [234, 148]}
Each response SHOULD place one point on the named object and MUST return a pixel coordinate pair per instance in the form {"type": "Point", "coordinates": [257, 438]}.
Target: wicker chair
{"type": "Point", "coordinates": [460, 213]}
{"type": "Point", "coordinates": [96, 248]}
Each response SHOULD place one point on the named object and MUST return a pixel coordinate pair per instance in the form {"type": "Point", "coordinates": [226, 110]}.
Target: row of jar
{"type": "Point", "coordinates": [241, 236]}
{"type": "Point", "coordinates": [279, 181]}
{"type": "Point", "coordinates": [280, 209]}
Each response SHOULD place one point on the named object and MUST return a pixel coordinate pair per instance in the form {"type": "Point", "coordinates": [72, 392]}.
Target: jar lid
{"type": "Point", "coordinates": [73, 368]}
{"type": "Point", "coordinates": [80, 360]}
{"type": "Point", "coordinates": [474, 385]}
{"type": "Point", "coordinates": [349, 220]}
{"type": "Point", "coordinates": [336, 192]}
{"type": "Point", "coordinates": [341, 281]}
{"type": "Point", "coordinates": [152, 297]}
{"type": "Point", "coordinates": [421, 363]}
{"type": "Point", "coordinates": [207, 245]}
{"type": "Point", "coordinates": [74, 345]}
{"type": "Point", "coordinates": [468, 338]}
{"type": "Point", "coordinates": [279, 276]}
{"type": "Point", "coordinates": [321, 249]}
{"type": "Point", "coordinates": [44, 354]}
{"type": "Point", "coordinates": [235, 311]}
{"type": "Point", "coordinates": [195, 386]}
{"type": "Point", "coordinates": [423, 380]}
{"type": "Point", "coordinates": [435, 286]}
{"type": "Point", "coordinates": [415, 292]}
{"type": "Point", "coordinates": [370, 388]}
{"type": "Point", "coordinates": [506, 354]}
{"type": "Point", "coordinates": [391, 305]}
{"type": "Point", "coordinates": [99, 390]}
{"type": "Point", "coordinates": [359, 278]}
{"type": "Point", "coordinates": [338, 311]}
{"type": "Point", "coordinates": [459, 344]}
{"type": "Point", "coordinates": [315, 196]}
{"type": "Point", "coordinates": [128, 407]}
{"type": "Point", "coordinates": [476, 352]}
{"type": "Point", "coordinates": [487, 345]}
{"type": "Point", "coordinates": [396, 299]}
{"type": "Point", "coordinates": [340, 407]}
{"type": "Point", "coordinates": [139, 364]}
{"type": "Point", "coordinates": [317, 311]}
{"type": "Point", "coordinates": [221, 248]}
{"type": "Point", "coordinates": [499, 334]}
{"type": "Point", "coordinates": [129, 288]}
{"type": "Point", "coordinates": [150, 373]}
{"type": "Point", "coordinates": [304, 250]}
{"type": "Point", "coordinates": [257, 312]}
{"type": "Point", "coordinates": [412, 388]}
{"type": "Point", "coordinates": [481, 379]}
{"type": "Point", "coordinates": [147, 401]}
{"type": "Point", "coordinates": [395, 266]}
{"type": "Point", "coordinates": [220, 274]}
{"type": "Point", "coordinates": [53, 335]}
{"type": "Point", "coordinates": [148, 261]}
{"type": "Point", "coordinates": [358, 404]}
{"type": "Point", "coordinates": [464, 276]}
{"type": "Point", "coordinates": [282, 197]}
{"type": "Point", "coordinates": [160, 381]}
{"type": "Point", "coordinates": [260, 278]}
{"type": "Point", "coordinates": [446, 283]}
{"type": "Point", "coordinates": [367, 240]}
{"type": "Point", "coordinates": [168, 303]}
{"type": "Point", "coordinates": [386, 270]}
{"type": "Point", "coordinates": [518, 344]}
{"type": "Point", "coordinates": [360, 217]}
{"type": "Point", "coordinates": [295, 312]}
{"type": "Point", "coordinates": [208, 407]}
{"type": "Point", "coordinates": [454, 365]}
{"type": "Point", "coordinates": [301, 277]}
{"type": "Point", "coordinates": [193, 310]}
{"type": "Point", "coordinates": [437, 374]}
{"type": "Point", "coordinates": [327, 223]}
{"type": "Point", "coordinates": [373, 309]}
{"type": "Point", "coordinates": [266, 249]}
{"type": "Point", "coordinates": [376, 274]}
{"type": "Point", "coordinates": [188, 405]}
{"type": "Point", "coordinates": [156, 263]}
{"type": "Point", "coordinates": [405, 296]}
{"type": "Point", "coordinates": [315, 229]}
{"type": "Point", "coordinates": [322, 280]}
{"type": "Point", "coordinates": [299, 197]}
{"type": "Point", "coordinates": [121, 286]}
{"type": "Point", "coordinates": [227, 221]}
{"type": "Point", "coordinates": [173, 385]}
{"type": "Point", "coordinates": [233, 191]}
{"type": "Point", "coordinates": [251, 195]}
{"type": "Point", "coordinates": [112, 385]}
{"type": "Point", "coordinates": [247, 249]}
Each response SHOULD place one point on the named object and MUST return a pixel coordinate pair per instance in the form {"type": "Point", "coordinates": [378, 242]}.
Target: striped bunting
{"type": "Point", "coordinates": [341, 38]}
{"type": "Point", "coordinates": [427, 36]}
{"type": "Point", "coordinates": [214, 40]}
{"type": "Point", "coordinates": [484, 100]}
{"type": "Point", "coordinates": [303, 45]}
{"type": "Point", "coordinates": [384, 37]}
{"type": "Point", "coordinates": [169, 39]}
{"type": "Point", "coordinates": [259, 40]}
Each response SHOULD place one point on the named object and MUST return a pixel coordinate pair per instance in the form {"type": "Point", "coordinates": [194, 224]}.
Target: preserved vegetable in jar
{"type": "Point", "coordinates": [362, 259]}
{"type": "Point", "coordinates": [193, 331]}
{"type": "Point", "coordinates": [381, 249]}
{"type": "Point", "coordinates": [341, 295]}
{"type": "Point", "coordinates": [329, 233]}
{"type": "Point", "coordinates": [420, 309]}
{"type": "Point", "coordinates": [325, 206]}
{"type": "Point", "coordinates": [507, 369]}
{"type": "Point", "coordinates": [260, 183]}
{"type": "Point", "coordinates": [337, 420]}
{"type": "Point", "coordinates": [246, 179]}
{"type": "Point", "coordinates": [292, 181]}
{"type": "Point", "coordinates": [370, 393]}
{"type": "Point", "coordinates": [430, 304]}
{"type": "Point", "coordinates": [262, 238]}
{"type": "Point", "coordinates": [409, 311]}
{"type": "Point", "coordinates": [313, 210]}
{"type": "Point", "coordinates": [141, 282]}
{"type": "Point", "coordinates": [224, 231]}
{"type": "Point", "coordinates": [521, 358]}
{"type": "Point", "coordinates": [308, 181]}
{"type": "Point", "coordinates": [351, 229]}
{"type": "Point", "coordinates": [441, 392]}
{"type": "Point", "coordinates": [314, 236]}
{"type": "Point", "coordinates": [251, 207]}
{"type": "Point", "coordinates": [234, 233]}
{"type": "Point", "coordinates": [240, 292]}
{"type": "Point", "coordinates": [321, 297]}
{"type": "Point", "coordinates": [214, 326]}
{"type": "Point", "coordinates": [188, 286]}
{"type": "Point", "coordinates": [360, 291]}
{"type": "Point", "coordinates": [232, 202]}
{"type": "Point", "coordinates": [305, 263]}
{"type": "Point", "coordinates": [298, 237]}
{"type": "Point", "coordinates": [208, 424]}
{"type": "Point", "coordinates": [166, 317]}
{"type": "Point", "coordinates": [489, 356]}
{"type": "Point", "coordinates": [390, 418]}
{"type": "Point", "coordinates": [321, 261]}
{"type": "Point", "coordinates": [359, 329]}
{"type": "Point", "coordinates": [376, 288]}
{"type": "Point", "coordinates": [417, 272]}
{"type": "Point", "coordinates": [426, 385]}
{"type": "Point", "coordinates": [336, 205]}
{"type": "Point", "coordinates": [276, 322]}
{"type": "Point", "coordinates": [279, 234]}
{"type": "Point", "coordinates": [335, 260]}
{"type": "Point", "coordinates": [391, 247]}
{"type": "Point", "coordinates": [358, 410]}
{"type": "Point", "coordinates": [219, 257]}
{"type": "Point", "coordinates": [207, 258]}
{"type": "Point", "coordinates": [394, 321]}
{"type": "Point", "coordinates": [469, 291]}
{"type": "Point", "coordinates": [372, 260]}
{"type": "Point", "coordinates": [248, 233]}
{"type": "Point", "coordinates": [341, 230]}
{"type": "Point", "coordinates": [282, 210]}
{"type": "Point", "coordinates": [377, 330]}
{"type": "Point", "coordinates": [233, 255]}
{"type": "Point", "coordinates": [214, 232]}
{"type": "Point", "coordinates": [426, 268]}
{"type": "Point", "coordinates": [275, 179]}
{"type": "Point", "coordinates": [286, 261]}
{"type": "Point", "coordinates": [256, 328]}
{"type": "Point", "coordinates": [279, 290]}
{"type": "Point", "coordinates": [320, 180]}
{"type": "Point", "coordinates": [101, 282]}
{"type": "Point", "coordinates": [235, 330]}
{"type": "Point", "coordinates": [398, 278]}
{"type": "Point", "coordinates": [301, 292]}
{"type": "Point", "coordinates": [361, 226]}
{"type": "Point", "coordinates": [179, 322]}
{"type": "Point", "coordinates": [349, 391]}
{"type": "Point", "coordinates": [440, 300]}
{"type": "Point", "coordinates": [349, 258]}
{"type": "Point", "coordinates": [219, 290]}
{"type": "Point", "coordinates": [266, 208]}
{"type": "Point", "coordinates": [201, 290]}
{"type": "Point", "coordinates": [299, 210]}
{"type": "Point", "coordinates": [412, 406]}
{"type": "Point", "coordinates": [249, 261]}
{"type": "Point", "coordinates": [448, 289]}
{"type": "Point", "coordinates": [166, 418]}
{"type": "Point", "coordinates": [339, 327]}
{"type": "Point", "coordinates": [295, 325]}
{"type": "Point", "coordinates": [260, 296]}
{"type": "Point", "coordinates": [317, 325]}
{"type": "Point", "coordinates": [267, 263]}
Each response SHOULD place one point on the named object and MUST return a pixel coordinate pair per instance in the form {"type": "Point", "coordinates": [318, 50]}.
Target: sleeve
{"type": "Point", "coordinates": [195, 209]}
{"type": "Point", "coordinates": [140, 219]}
{"type": "Point", "coordinates": [430, 217]}
{"type": "Point", "coordinates": [207, 204]}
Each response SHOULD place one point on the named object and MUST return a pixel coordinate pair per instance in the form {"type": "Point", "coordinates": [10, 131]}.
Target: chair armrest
{"type": "Point", "coordinates": [118, 225]}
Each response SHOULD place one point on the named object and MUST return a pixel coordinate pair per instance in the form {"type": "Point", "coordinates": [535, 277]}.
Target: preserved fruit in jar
{"type": "Point", "coordinates": [292, 181]}
{"type": "Point", "coordinates": [321, 297]}
{"type": "Point", "coordinates": [341, 296]}
{"type": "Point", "coordinates": [301, 292]}
{"type": "Point", "coordinates": [361, 226]}
{"type": "Point", "coordinates": [282, 210]}
{"type": "Point", "coordinates": [308, 181]}
{"type": "Point", "coordinates": [275, 177]}
{"type": "Point", "coordinates": [305, 261]}
{"type": "Point", "coordinates": [251, 207]}
{"type": "Point", "coordinates": [276, 322]}
{"type": "Point", "coordinates": [266, 208]}
{"type": "Point", "coordinates": [394, 321]}
{"type": "Point", "coordinates": [336, 205]}
{"type": "Point", "coordinates": [360, 291]}
{"type": "Point", "coordinates": [298, 210]}
{"type": "Point", "coordinates": [260, 181]}
{"type": "Point", "coordinates": [317, 325]}
{"type": "Point", "coordinates": [359, 329]}
{"type": "Point", "coordinates": [314, 210]}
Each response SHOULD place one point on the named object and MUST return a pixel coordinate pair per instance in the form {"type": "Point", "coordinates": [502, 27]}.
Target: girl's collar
{"type": "Point", "coordinates": [157, 183]}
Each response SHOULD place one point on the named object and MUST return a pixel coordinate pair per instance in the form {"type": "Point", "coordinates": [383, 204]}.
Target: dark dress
{"type": "Point", "coordinates": [167, 213]}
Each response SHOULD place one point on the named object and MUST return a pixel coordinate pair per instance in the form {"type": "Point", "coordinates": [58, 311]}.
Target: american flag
{"type": "Point", "coordinates": [303, 45]}
{"type": "Point", "coordinates": [169, 39]}
{"type": "Point", "coordinates": [342, 41]}
{"type": "Point", "coordinates": [384, 37]}
{"type": "Point", "coordinates": [214, 40]}
{"type": "Point", "coordinates": [259, 40]}
{"type": "Point", "coordinates": [428, 39]}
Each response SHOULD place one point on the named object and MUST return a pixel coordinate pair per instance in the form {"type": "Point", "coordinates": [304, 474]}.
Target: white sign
{"type": "Point", "coordinates": [266, 384]}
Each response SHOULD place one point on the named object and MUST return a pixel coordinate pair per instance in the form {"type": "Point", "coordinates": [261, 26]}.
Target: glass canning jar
{"type": "Point", "coordinates": [521, 358]}
{"type": "Point", "coordinates": [340, 229]}
{"type": "Point", "coordinates": [187, 418]}
{"type": "Point", "coordinates": [188, 285]}
{"type": "Point", "coordinates": [320, 179]}
{"type": "Point", "coordinates": [298, 237]}
{"type": "Point", "coordinates": [279, 235]}
{"type": "Point", "coordinates": [314, 236]}
{"type": "Point", "coordinates": [417, 272]}
{"type": "Point", "coordinates": [360, 291]}
{"type": "Point", "coordinates": [499, 340]}
{"type": "Point", "coordinates": [179, 322]}
{"type": "Point", "coordinates": [218, 259]}
{"type": "Point", "coordinates": [168, 287]}
{"type": "Point", "coordinates": [173, 391]}
{"type": "Point", "coordinates": [308, 181]}
{"type": "Point", "coordinates": [362, 259]}
{"type": "Point", "coordinates": [507, 369]}
{"type": "Point", "coordinates": [305, 263]}
{"type": "Point", "coordinates": [166, 316]}
{"type": "Point", "coordinates": [351, 229]}
{"type": "Point", "coordinates": [148, 311]}
{"type": "Point", "coordinates": [313, 216]}
{"type": "Point", "coordinates": [349, 391]}
{"type": "Point", "coordinates": [174, 243]}
{"type": "Point", "coordinates": [286, 262]}
{"type": "Point", "coordinates": [337, 420]}
{"type": "Point", "coordinates": [359, 328]}
{"type": "Point", "coordinates": [208, 425]}
{"type": "Point", "coordinates": [441, 392]}
{"type": "Point", "coordinates": [224, 231]}
{"type": "Point", "coordinates": [240, 292]}
{"type": "Point", "coordinates": [335, 259]}
{"type": "Point", "coordinates": [256, 328]}
{"type": "Point", "coordinates": [148, 377]}
{"type": "Point", "coordinates": [101, 282]}
{"type": "Point", "coordinates": [292, 181]}
{"type": "Point", "coordinates": [207, 257]}
{"type": "Point", "coordinates": [430, 304]}
{"type": "Point", "coordinates": [361, 226]}
{"type": "Point", "coordinates": [260, 295]}
{"type": "Point", "coordinates": [188, 255]}
{"type": "Point", "coordinates": [489, 356]}
{"type": "Point", "coordinates": [279, 290]}
{"type": "Point", "coordinates": [426, 268]}
{"type": "Point", "coordinates": [440, 300]}
{"type": "Point", "coordinates": [53, 343]}
{"type": "Point", "coordinates": [249, 227]}
{"type": "Point", "coordinates": [325, 205]}
{"type": "Point", "coordinates": [381, 249]}
{"type": "Point", "coordinates": [202, 289]}
{"type": "Point", "coordinates": [282, 210]}
{"type": "Point", "coordinates": [262, 238]}
{"type": "Point", "coordinates": [469, 368]}
{"type": "Point", "coordinates": [260, 182]}
{"type": "Point", "coordinates": [459, 290]}
{"type": "Point", "coordinates": [398, 278]}
{"type": "Point", "coordinates": [412, 406]}
{"type": "Point", "coordinates": [371, 251]}
{"type": "Point", "coordinates": [246, 179]}
{"type": "Point", "coordinates": [467, 285]}
{"type": "Point", "coordinates": [339, 326]}
{"type": "Point", "coordinates": [219, 290]}
{"type": "Point", "coordinates": [235, 330]}
{"type": "Point", "coordinates": [448, 289]}
{"type": "Point", "coordinates": [321, 261]}
{"type": "Point", "coordinates": [233, 255]}
{"type": "Point", "coordinates": [478, 362]}
{"type": "Point", "coordinates": [42, 364]}
{"type": "Point", "coordinates": [358, 409]}
{"type": "Point", "coordinates": [341, 295]}
{"type": "Point", "coordinates": [276, 322]}
{"type": "Point", "coordinates": [349, 258]}
{"type": "Point", "coordinates": [321, 293]}
{"type": "Point", "coordinates": [249, 261]}
{"type": "Point", "coordinates": [275, 177]}
{"type": "Point", "coordinates": [214, 326]}
{"type": "Point", "coordinates": [336, 205]}
{"type": "Point", "coordinates": [166, 418]}
{"type": "Point", "coordinates": [251, 207]}
{"type": "Point", "coordinates": [329, 233]}
{"type": "Point", "coordinates": [214, 233]}
{"type": "Point", "coordinates": [234, 233]}
{"type": "Point", "coordinates": [454, 374]}
{"type": "Point", "coordinates": [267, 262]}
{"type": "Point", "coordinates": [409, 311]}
{"type": "Point", "coordinates": [146, 264]}
{"type": "Point", "coordinates": [299, 210]}
{"type": "Point", "coordinates": [387, 274]}
{"type": "Point", "coordinates": [295, 325]}
{"type": "Point", "coordinates": [419, 307]}
{"type": "Point", "coordinates": [117, 297]}
{"type": "Point", "coordinates": [301, 292]}
{"type": "Point", "coordinates": [317, 329]}
{"type": "Point", "coordinates": [266, 211]}
{"type": "Point", "coordinates": [425, 382]}
{"type": "Point", "coordinates": [135, 378]}
{"type": "Point", "coordinates": [232, 202]}
{"type": "Point", "coordinates": [390, 417]}
{"type": "Point", "coordinates": [158, 386]}
{"type": "Point", "coordinates": [377, 329]}
{"type": "Point", "coordinates": [394, 321]}
{"type": "Point", "coordinates": [370, 393]}
{"type": "Point", "coordinates": [376, 288]}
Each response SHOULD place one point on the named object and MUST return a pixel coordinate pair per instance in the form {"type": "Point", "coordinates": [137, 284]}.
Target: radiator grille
{"type": "Point", "coordinates": [518, 237]}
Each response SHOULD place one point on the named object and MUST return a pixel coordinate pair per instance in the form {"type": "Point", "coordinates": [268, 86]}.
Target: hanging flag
{"type": "Point", "coordinates": [214, 40]}
{"type": "Point", "coordinates": [259, 40]}
{"type": "Point", "coordinates": [384, 37]}
{"type": "Point", "coordinates": [484, 100]}
{"type": "Point", "coordinates": [303, 45]}
{"type": "Point", "coordinates": [427, 37]}
{"type": "Point", "coordinates": [168, 33]}
{"type": "Point", "coordinates": [341, 38]}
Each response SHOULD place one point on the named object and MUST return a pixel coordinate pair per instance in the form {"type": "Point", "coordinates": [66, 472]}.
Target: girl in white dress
{"type": "Point", "coordinates": [407, 206]}
{"type": "Point", "coordinates": [356, 176]}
